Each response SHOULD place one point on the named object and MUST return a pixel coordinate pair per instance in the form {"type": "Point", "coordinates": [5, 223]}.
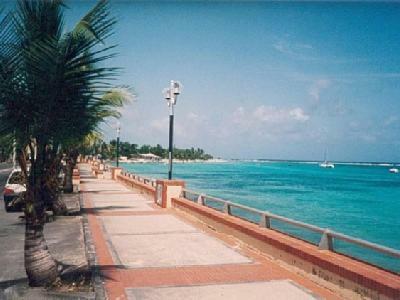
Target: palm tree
{"type": "Point", "coordinates": [51, 87]}
{"type": "Point", "coordinates": [89, 131]}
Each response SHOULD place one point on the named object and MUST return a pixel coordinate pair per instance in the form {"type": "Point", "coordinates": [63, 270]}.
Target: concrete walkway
{"type": "Point", "coordinates": [144, 252]}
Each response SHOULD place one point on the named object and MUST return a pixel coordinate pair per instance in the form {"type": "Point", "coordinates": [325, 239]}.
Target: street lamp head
{"type": "Point", "coordinates": [171, 93]}
{"type": "Point", "coordinates": [167, 94]}
{"type": "Point", "coordinates": [118, 128]}
{"type": "Point", "coordinates": [176, 87]}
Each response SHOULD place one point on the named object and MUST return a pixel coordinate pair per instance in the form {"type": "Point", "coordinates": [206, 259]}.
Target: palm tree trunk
{"type": "Point", "coordinates": [72, 157]}
{"type": "Point", "coordinates": [51, 188]}
{"type": "Point", "coordinates": [59, 207]}
{"type": "Point", "coordinates": [40, 266]}
{"type": "Point", "coordinates": [68, 187]}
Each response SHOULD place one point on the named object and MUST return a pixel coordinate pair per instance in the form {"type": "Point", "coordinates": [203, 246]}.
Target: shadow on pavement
{"type": "Point", "coordinates": [95, 210]}
{"type": "Point", "coordinates": [13, 282]}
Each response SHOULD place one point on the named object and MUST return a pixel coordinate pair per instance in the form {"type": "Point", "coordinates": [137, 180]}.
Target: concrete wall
{"type": "Point", "coordinates": [337, 271]}
{"type": "Point", "coordinates": [142, 187]}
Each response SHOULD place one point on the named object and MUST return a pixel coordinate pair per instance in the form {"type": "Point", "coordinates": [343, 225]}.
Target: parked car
{"type": "Point", "coordinates": [14, 191]}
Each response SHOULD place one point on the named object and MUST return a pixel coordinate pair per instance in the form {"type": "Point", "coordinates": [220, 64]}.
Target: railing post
{"type": "Point", "coordinates": [200, 199]}
{"type": "Point", "coordinates": [115, 172]}
{"type": "Point", "coordinates": [166, 190]}
{"type": "Point", "coordinates": [326, 242]}
{"type": "Point", "coordinates": [265, 221]}
{"type": "Point", "coordinates": [227, 208]}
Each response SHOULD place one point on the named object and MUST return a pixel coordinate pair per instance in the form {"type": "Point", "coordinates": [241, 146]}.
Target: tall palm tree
{"type": "Point", "coordinates": [51, 87]}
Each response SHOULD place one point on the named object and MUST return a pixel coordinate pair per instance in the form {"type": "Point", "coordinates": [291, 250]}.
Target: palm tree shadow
{"type": "Point", "coordinates": [9, 283]}
{"type": "Point", "coordinates": [73, 273]}
{"type": "Point", "coordinates": [96, 210]}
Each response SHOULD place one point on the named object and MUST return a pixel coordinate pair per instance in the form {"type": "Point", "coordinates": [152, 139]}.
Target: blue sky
{"type": "Point", "coordinates": [263, 80]}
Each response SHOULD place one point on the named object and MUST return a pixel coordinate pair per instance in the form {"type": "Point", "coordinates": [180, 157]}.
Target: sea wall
{"type": "Point", "coordinates": [143, 186]}
{"type": "Point", "coordinates": [334, 270]}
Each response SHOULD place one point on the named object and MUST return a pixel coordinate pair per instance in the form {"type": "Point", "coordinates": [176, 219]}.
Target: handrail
{"type": "Point", "coordinates": [145, 180]}
{"type": "Point", "coordinates": [326, 241]}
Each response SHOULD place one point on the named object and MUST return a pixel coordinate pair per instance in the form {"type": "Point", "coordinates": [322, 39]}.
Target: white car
{"type": "Point", "coordinates": [13, 190]}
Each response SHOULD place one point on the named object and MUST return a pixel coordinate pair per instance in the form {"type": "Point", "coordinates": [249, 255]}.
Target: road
{"type": "Point", "coordinates": [65, 241]}
{"type": "Point", "coordinates": [12, 229]}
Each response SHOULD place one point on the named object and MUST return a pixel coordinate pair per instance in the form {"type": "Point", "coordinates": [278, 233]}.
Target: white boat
{"type": "Point", "coordinates": [394, 170]}
{"type": "Point", "coordinates": [326, 164]}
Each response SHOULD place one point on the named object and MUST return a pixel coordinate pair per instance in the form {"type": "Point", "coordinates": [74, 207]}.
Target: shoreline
{"type": "Point", "coordinates": [266, 161]}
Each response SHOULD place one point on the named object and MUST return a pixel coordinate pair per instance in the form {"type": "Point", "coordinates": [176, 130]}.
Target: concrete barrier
{"type": "Point", "coordinates": [76, 179]}
{"type": "Point", "coordinates": [166, 190]}
{"type": "Point", "coordinates": [115, 172]}
{"type": "Point", "coordinates": [338, 271]}
{"type": "Point", "coordinates": [136, 184]}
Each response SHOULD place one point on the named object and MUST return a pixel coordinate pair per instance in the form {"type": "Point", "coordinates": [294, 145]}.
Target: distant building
{"type": "Point", "coordinates": [150, 157]}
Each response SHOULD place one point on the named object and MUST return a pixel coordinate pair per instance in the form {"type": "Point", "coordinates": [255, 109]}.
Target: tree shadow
{"type": "Point", "coordinates": [9, 283]}
{"type": "Point", "coordinates": [96, 210]}
{"type": "Point", "coordinates": [106, 192]}
{"type": "Point", "coordinates": [74, 273]}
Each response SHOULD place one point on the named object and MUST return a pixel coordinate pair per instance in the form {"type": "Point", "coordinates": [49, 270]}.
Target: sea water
{"type": "Point", "coordinates": [357, 200]}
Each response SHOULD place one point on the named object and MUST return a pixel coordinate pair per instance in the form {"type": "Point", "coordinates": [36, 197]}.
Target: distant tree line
{"type": "Point", "coordinates": [108, 151]}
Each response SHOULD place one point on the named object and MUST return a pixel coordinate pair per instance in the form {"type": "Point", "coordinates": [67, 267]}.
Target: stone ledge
{"type": "Point", "coordinates": [136, 184]}
{"type": "Point", "coordinates": [343, 271]}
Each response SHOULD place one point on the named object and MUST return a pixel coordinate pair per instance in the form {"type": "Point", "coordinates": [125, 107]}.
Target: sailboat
{"type": "Point", "coordinates": [326, 164]}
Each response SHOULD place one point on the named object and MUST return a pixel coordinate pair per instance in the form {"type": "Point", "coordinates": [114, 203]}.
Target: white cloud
{"type": "Point", "coordinates": [262, 123]}
{"type": "Point", "coordinates": [316, 88]}
{"type": "Point", "coordinates": [279, 46]}
{"type": "Point", "coordinates": [369, 138]}
{"type": "Point", "coordinates": [187, 128]}
{"type": "Point", "coordinates": [241, 118]}
{"type": "Point", "coordinates": [292, 49]}
{"type": "Point", "coordinates": [300, 51]}
{"type": "Point", "coordinates": [238, 113]}
{"type": "Point", "coordinates": [299, 115]}
{"type": "Point", "coordinates": [304, 46]}
{"type": "Point", "coordinates": [280, 115]}
{"type": "Point", "coordinates": [159, 124]}
{"type": "Point", "coordinates": [193, 117]}
{"type": "Point", "coordinates": [391, 120]}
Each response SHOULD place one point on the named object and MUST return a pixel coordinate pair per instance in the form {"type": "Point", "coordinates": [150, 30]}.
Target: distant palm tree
{"type": "Point", "coordinates": [51, 87]}
{"type": "Point", "coordinates": [89, 134]}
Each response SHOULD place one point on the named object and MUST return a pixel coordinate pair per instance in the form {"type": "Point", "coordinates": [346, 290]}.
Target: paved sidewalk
{"type": "Point", "coordinates": [65, 241]}
{"type": "Point", "coordinates": [144, 252]}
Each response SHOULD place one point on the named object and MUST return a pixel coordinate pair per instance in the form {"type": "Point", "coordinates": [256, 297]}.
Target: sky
{"type": "Point", "coordinates": [280, 80]}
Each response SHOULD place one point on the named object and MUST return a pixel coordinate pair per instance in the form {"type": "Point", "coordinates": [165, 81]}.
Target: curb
{"type": "Point", "coordinates": [91, 256]}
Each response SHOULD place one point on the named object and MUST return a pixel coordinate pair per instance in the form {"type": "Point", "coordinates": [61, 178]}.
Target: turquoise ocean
{"type": "Point", "coordinates": [358, 200]}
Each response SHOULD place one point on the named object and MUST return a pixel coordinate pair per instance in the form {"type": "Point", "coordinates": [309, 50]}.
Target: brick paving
{"type": "Point", "coordinates": [145, 252]}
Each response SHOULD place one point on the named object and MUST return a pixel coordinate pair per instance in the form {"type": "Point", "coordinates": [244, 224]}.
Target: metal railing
{"type": "Point", "coordinates": [145, 180]}
{"type": "Point", "coordinates": [265, 217]}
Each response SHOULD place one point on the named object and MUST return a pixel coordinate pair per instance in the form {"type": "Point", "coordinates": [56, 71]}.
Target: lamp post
{"type": "Point", "coordinates": [171, 95]}
{"type": "Point", "coordinates": [118, 132]}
